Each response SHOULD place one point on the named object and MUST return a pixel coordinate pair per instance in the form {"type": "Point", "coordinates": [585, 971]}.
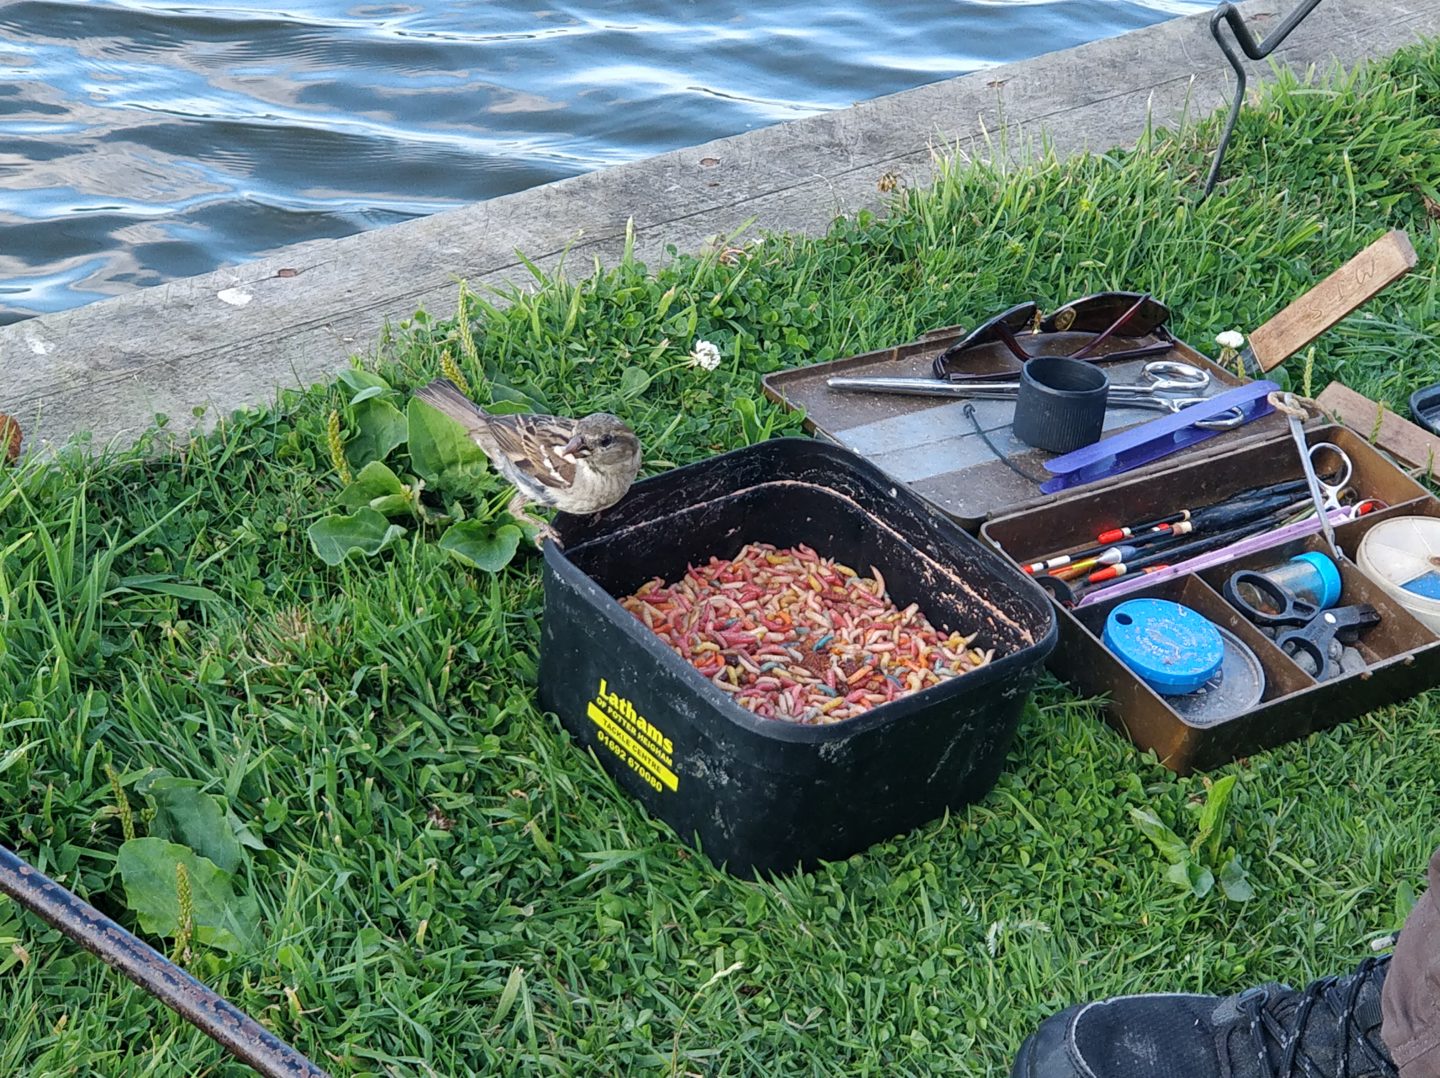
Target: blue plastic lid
{"type": "Point", "coordinates": [1329, 577]}
{"type": "Point", "coordinates": [1170, 647]}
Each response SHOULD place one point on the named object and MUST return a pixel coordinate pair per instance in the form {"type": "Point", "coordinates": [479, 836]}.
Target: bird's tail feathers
{"type": "Point", "coordinates": [445, 396]}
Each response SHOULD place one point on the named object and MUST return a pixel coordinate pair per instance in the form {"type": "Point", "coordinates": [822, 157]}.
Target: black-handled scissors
{"type": "Point", "coordinates": [1312, 630]}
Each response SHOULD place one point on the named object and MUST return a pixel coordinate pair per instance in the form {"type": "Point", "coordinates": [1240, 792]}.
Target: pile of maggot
{"type": "Point", "coordinates": [794, 636]}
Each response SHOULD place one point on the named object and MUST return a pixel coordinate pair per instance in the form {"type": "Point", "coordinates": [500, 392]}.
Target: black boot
{"type": "Point", "coordinates": [1330, 1029]}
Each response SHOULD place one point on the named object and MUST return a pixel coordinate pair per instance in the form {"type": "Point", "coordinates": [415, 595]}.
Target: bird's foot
{"type": "Point", "coordinates": [537, 529]}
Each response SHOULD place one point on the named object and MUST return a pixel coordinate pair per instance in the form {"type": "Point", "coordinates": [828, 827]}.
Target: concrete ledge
{"type": "Point", "coordinates": [235, 336]}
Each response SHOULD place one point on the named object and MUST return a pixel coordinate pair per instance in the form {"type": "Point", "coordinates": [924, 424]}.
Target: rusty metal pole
{"type": "Point", "coordinates": [245, 1038]}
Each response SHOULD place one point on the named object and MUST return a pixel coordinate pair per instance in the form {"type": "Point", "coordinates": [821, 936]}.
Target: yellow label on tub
{"type": "Point", "coordinates": [639, 743]}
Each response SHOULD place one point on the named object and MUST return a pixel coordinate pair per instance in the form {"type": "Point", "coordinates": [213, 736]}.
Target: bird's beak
{"type": "Point", "coordinates": [574, 447]}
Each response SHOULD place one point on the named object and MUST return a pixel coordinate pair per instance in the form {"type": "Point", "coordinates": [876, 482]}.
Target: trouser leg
{"type": "Point", "coordinates": [1410, 1002]}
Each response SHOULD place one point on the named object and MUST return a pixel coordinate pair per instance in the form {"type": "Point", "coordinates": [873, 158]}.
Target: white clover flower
{"type": "Point", "coordinates": [1231, 338]}
{"type": "Point", "coordinates": [705, 355]}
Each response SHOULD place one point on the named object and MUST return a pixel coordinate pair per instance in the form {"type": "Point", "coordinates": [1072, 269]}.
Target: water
{"type": "Point", "coordinates": [142, 140]}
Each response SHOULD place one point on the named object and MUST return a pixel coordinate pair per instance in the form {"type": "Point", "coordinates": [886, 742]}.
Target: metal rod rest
{"type": "Point", "coordinates": [245, 1038]}
{"type": "Point", "coordinates": [1229, 13]}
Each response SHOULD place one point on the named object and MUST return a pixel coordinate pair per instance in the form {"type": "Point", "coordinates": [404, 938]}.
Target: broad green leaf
{"type": "Point", "coordinates": [1166, 841]}
{"type": "Point", "coordinates": [1234, 882]}
{"type": "Point", "coordinates": [510, 408]}
{"type": "Point", "coordinates": [392, 505]}
{"type": "Point", "coordinates": [375, 480]}
{"type": "Point", "coordinates": [482, 545]}
{"type": "Point", "coordinates": [359, 381]}
{"type": "Point", "coordinates": [441, 451]}
{"type": "Point", "coordinates": [503, 392]}
{"type": "Point", "coordinates": [1191, 875]}
{"type": "Point", "coordinates": [366, 394]}
{"type": "Point", "coordinates": [633, 382]}
{"type": "Point", "coordinates": [185, 815]}
{"type": "Point", "coordinates": [220, 917]}
{"type": "Point", "coordinates": [242, 831]}
{"type": "Point", "coordinates": [1405, 899]}
{"type": "Point", "coordinates": [752, 426]}
{"type": "Point", "coordinates": [1212, 818]}
{"type": "Point", "coordinates": [529, 529]}
{"type": "Point", "coordinates": [334, 538]}
{"type": "Point", "coordinates": [381, 427]}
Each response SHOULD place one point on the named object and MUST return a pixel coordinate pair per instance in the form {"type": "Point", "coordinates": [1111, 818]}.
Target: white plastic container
{"type": "Point", "coordinates": [1403, 557]}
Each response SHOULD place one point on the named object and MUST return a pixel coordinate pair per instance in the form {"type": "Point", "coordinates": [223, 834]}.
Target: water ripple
{"type": "Point", "coordinates": [144, 141]}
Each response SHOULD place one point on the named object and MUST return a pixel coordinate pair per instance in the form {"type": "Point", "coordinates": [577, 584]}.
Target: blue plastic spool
{"type": "Point", "coordinates": [1168, 646]}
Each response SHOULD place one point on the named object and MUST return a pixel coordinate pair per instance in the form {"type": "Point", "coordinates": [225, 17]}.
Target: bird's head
{"type": "Point", "coordinates": [606, 443]}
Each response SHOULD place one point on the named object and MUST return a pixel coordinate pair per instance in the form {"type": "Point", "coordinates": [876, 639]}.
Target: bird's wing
{"type": "Point", "coordinates": [533, 444]}
{"type": "Point", "coordinates": [445, 396]}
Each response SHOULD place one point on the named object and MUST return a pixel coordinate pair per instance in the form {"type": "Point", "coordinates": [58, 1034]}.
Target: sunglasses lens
{"type": "Point", "coordinates": [1097, 313]}
{"type": "Point", "coordinates": [1017, 319]}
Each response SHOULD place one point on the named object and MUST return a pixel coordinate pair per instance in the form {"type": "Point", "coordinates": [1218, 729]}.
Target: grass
{"type": "Point", "coordinates": [446, 886]}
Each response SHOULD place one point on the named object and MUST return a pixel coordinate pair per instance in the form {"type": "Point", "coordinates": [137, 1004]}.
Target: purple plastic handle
{"type": "Point", "coordinates": [1148, 442]}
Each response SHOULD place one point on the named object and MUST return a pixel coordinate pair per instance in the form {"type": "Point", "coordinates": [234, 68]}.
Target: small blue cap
{"type": "Point", "coordinates": [1169, 647]}
{"type": "Point", "coordinates": [1329, 589]}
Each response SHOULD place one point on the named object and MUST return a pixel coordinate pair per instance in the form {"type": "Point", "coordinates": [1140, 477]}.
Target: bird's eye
{"type": "Point", "coordinates": [607, 441]}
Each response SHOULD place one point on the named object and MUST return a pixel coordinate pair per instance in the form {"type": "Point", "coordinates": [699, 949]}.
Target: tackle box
{"type": "Point", "coordinates": [764, 795]}
{"type": "Point", "coordinates": [1402, 656]}
{"type": "Point", "coordinates": [925, 443]}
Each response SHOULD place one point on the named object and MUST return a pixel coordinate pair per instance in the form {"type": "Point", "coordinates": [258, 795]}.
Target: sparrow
{"type": "Point", "coordinates": [578, 466]}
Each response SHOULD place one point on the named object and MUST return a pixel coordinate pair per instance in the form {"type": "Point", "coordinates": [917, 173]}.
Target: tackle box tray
{"type": "Point", "coordinates": [928, 444]}
{"type": "Point", "coordinates": [1402, 656]}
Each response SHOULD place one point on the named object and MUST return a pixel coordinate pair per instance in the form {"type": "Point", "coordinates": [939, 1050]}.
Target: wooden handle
{"type": "Point", "coordinates": [1383, 262]}
{"type": "Point", "coordinates": [1377, 424]}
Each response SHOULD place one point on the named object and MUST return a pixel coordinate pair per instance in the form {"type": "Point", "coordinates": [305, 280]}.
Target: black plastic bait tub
{"type": "Point", "coordinates": [764, 795]}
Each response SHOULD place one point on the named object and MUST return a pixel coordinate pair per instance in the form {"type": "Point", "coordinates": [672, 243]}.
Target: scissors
{"type": "Point", "coordinates": [1332, 490]}
{"type": "Point", "coordinates": [1311, 630]}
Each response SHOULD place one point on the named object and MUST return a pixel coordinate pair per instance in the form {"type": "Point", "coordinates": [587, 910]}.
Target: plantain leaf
{"type": "Point", "coordinates": [220, 917]}
{"type": "Point", "coordinates": [441, 451]}
{"type": "Point", "coordinates": [366, 394]}
{"type": "Point", "coordinates": [482, 545]}
{"type": "Point", "coordinates": [1212, 818]}
{"type": "Point", "coordinates": [1234, 882]}
{"type": "Point", "coordinates": [375, 480]}
{"type": "Point", "coordinates": [381, 427]}
{"type": "Point", "coordinates": [360, 381]}
{"type": "Point", "coordinates": [514, 398]}
{"type": "Point", "coordinates": [1191, 875]}
{"type": "Point", "coordinates": [1165, 840]}
{"type": "Point", "coordinates": [198, 820]}
{"type": "Point", "coordinates": [335, 538]}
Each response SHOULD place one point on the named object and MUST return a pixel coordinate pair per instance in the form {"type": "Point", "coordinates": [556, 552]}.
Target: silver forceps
{"type": "Point", "coordinates": [1321, 493]}
{"type": "Point", "coordinates": [1159, 379]}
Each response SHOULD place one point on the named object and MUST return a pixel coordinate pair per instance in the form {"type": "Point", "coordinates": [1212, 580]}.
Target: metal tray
{"type": "Point", "coordinates": [929, 445]}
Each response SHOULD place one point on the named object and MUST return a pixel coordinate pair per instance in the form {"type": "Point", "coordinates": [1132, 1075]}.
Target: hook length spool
{"type": "Point", "coordinates": [1061, 403]}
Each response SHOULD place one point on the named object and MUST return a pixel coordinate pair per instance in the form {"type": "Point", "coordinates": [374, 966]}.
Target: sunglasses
{"type": "Point", "coordinates": [1111, 318]}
